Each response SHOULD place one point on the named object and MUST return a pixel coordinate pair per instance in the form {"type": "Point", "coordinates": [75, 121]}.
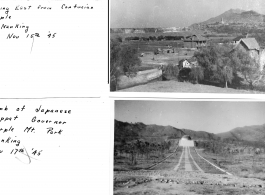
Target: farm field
{"type": "Point", "coordinates": [184, 87]}
{"type": "Point", "coordinates": [182, 33]}
{"type": "Point", "coordinates": [150, 46]}
{"type": "Point", "coordinates": [149, 59]}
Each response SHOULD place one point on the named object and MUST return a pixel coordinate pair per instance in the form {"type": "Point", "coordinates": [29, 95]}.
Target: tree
{"type": "Point", "coordinates": [224, 70]}
{"type": "Point", "coordinates": [115, 50]}
{"type": "Point", "coordinates": [197, 74]}
{"type": "Point", "coordinates": [129, 59]}
{"type": "Point", "coordinates": [216, 63]}
{"type": "Point", "coordinates": [247, 67]}
{"type": "Point", "coordinates": [122, 58]}
{"type": "Point", "coordinates": [171, 72]}
{"type": "Point", "coordinates": [184, 74]}
{"type": "Point", "coordinates": [227, 73]}
{"type": "Point", "coordinates": [207, 57]}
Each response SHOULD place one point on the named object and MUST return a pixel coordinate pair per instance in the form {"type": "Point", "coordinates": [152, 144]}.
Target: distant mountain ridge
{"type": "Point", "coordinates": [236, 16]}
{"type": "Point", "coordinates": [247, 133]}
{"type": "Point", "coordinates": [131, 131]}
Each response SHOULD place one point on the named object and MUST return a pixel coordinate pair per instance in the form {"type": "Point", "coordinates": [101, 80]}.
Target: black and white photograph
{"type": "Point", "coordinates": [189, 147]}
{"type": "Point", "coordinates": [191, 46]}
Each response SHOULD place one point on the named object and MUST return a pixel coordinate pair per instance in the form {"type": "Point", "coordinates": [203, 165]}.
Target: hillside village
{"type": "Point", "coordinates": [178, 53]}
{"type": "Point", "coordinates": [158, 52]}
{"type": "Point", "coordinates": [196, 41]}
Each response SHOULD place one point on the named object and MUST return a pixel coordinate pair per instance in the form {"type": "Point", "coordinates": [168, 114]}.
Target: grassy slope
{"type": "Point", "coordinates": [241, 165]}
{"type": "Point", "coordinates": [248, 133]}
{"type": "Point", "coordinates": [140, 130]}
{"type": "Point", "coordinates": [174, 86]}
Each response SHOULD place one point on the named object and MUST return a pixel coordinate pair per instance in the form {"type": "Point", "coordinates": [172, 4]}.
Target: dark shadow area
{"type": "Point", "coordinates": [184, 74]}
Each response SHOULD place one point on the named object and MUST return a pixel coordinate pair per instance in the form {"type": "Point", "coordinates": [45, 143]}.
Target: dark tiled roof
{"type": "Point", "coordinates": [198, 37]}
{"type": "Point", "coordinates": [239, 37]}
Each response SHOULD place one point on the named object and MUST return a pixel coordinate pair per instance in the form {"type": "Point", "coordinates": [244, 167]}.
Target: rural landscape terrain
{"type": "Point", "coordinates": [150, 159]}
{"type": "Point", "coordinates": [224, 54]}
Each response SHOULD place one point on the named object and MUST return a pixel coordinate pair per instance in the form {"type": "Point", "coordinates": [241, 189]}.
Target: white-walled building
{"type": "Point", "coordinates": [186, 141]}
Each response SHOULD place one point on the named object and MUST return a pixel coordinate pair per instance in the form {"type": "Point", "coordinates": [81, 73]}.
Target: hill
{"type": "Point", "coordinates": [132, 131]}
{"type": "Point", "coordinates": [237, 16]}
{"type": "Point", "coordinates": [254, 133]}
{"type": "Point", "coordinates": [200, 134]}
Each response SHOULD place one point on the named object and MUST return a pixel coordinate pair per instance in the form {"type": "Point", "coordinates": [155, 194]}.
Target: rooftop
{"type": "Point", "coordinates": [251, 43]}
{"type": "Point", "coordinates": [195, 37]}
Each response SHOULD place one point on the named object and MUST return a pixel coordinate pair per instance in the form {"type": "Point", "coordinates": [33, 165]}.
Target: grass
{"type": "Point", "coordinates": [240, 164]}
{"type": "Point", "coordinates": [183, 87]}
{"type": "Point", "coordinates": [205, 166]}
{"type": "Point", "coordinates": [165, 59]}
{"type": "Point", "coordinates": [122, 162]}
{"type": "Point", "coordinates": [143, 68]}
{"type": "Point", "coordinates": [171, 162]}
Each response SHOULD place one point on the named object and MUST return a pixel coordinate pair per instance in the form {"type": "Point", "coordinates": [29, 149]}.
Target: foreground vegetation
{"type": "Point", "coordinates": [139, 154]}
{"type": "Point", "coordinates": [218, 65]}
{"type": "Point", "coordinates": [241, 158]}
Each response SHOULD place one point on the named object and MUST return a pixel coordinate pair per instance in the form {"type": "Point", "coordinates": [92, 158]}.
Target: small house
{"type": "Point", "coordinates": [251, 46]}
{"type": "Point", "coordinates": [184, 64]}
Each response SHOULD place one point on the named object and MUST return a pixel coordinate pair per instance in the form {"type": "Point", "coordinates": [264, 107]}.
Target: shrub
{"type": "Point", "coordinates": [171, 72]}
{"type": "Point", "coordinates": [197, 74]}
{"type": "Point", "coordinates": [122, 60]}
{"type": "Point", "coordinates": [184, 74]}
{"type": "Point", "coordinates": [257, 169]}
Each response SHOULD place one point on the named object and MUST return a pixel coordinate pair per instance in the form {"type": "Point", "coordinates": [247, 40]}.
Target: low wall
{"type": "Point", "coordinates": [142, 77]}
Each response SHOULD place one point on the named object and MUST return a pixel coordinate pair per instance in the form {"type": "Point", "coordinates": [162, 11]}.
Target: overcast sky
{"type": "Point", "coordinates": [172, 13]}
{"type": "Point", "coordinates": [210, 116]}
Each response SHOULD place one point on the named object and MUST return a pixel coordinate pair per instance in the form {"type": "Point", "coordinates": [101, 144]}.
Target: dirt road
{"type": "Point", "coordinates": [190, 164]}
{"type": "Point", "coordinates": [185, 172]}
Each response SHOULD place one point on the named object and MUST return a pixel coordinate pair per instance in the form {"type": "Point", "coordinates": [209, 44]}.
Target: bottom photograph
{"type": "Point", "coordinates": [189, 147]}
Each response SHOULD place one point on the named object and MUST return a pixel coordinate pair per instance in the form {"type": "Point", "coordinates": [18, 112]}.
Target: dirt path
{"type": "Point", "coordinates": [181, 157]}
{"type": "Point", "coordinates": [187, 162]}
{"type": "Point", "coordinates": [197, 166]}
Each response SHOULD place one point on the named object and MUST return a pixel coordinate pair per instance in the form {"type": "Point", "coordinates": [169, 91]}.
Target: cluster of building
{"type": "Point", "coordinates": [245, 43]}
{"type": "Point", "coordinates": [194, 41]}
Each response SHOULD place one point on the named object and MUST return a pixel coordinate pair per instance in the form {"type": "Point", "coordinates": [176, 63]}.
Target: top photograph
{"type": "Point", "coordinates": [191, 46]}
